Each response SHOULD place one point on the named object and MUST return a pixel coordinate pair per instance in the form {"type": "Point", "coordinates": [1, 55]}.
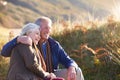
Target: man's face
{"type": "Point", "coordinates": [45, 30]}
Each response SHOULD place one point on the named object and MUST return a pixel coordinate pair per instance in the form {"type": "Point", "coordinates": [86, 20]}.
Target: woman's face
{"type": "Point", "coordinates": [35, 36]}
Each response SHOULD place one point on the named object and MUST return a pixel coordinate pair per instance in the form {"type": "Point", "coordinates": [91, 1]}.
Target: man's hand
{"type": "Point", "coordinates": [71, 73]}
{"type": "Point", "coordinates": [24, 40]}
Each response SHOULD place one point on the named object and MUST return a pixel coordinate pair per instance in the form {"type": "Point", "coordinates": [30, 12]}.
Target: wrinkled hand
{"type": "Point", "coordinates": [51, 76]}
{"type": "Point", "coordinates": [71, 73]}
{"type": "Point", "coordinates": [24, 40]}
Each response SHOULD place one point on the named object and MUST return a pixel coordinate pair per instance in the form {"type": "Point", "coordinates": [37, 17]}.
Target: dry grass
{"type": "Point", "coordinates": [72, 35]}
{"type": "Point", "coordinates": [7, 34]}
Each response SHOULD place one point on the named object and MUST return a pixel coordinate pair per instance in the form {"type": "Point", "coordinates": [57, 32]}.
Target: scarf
{"type": "Point", "coordinates": [48, 59]}
{"type": "Point", "coordinates": [42, 62]}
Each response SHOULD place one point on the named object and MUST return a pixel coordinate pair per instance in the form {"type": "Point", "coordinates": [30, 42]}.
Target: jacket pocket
{"type": "Point", "coordinates": [22, 77]}
{"type": "Point", "coordinates": [25, 77]}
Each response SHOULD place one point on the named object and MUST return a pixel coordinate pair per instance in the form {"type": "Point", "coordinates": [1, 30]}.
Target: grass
{"type": "Point", "coordinates": [94, 64]}
{"type": "Point", "coordinates": [3, 61]}
{"type": "Point", "coordinates": [102, 68]}
{"type": "Point", "coordinates": [71, 35]}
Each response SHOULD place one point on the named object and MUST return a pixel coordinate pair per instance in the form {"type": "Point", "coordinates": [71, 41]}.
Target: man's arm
{"type": "Point", "coordinates": [7, 48]}
{"type": "Point", "coordinates": [69, 63]}
{"type": "Point", "coordinates": [65, 59]}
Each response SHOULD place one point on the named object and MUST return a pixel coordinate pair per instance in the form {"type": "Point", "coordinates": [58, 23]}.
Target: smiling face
{"type": "Point", "coordinates": [34, 35]}
{"type": "Point", "coordinates": [45, 31]}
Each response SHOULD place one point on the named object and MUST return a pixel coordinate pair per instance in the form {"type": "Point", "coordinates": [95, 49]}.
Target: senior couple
{"type": "Point", "coordinates": [34, 55]}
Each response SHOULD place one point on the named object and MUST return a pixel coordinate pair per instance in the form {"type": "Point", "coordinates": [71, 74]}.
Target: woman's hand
{"type": "Point", "coordinates": [51, 76]}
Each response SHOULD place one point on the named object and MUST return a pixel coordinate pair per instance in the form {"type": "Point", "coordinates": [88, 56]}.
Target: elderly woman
{"type": "Point", "coordinates": [26, 63]}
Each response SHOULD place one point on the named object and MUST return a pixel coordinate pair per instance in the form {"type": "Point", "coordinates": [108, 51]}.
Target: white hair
{"type": "Point", "coordinates": [42, 19]}
{"type": "Point", "coordinates": [29, 28]}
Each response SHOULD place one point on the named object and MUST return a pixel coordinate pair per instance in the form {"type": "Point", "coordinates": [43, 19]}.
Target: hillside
{"type": "Point", "coordinates": [18, 12]}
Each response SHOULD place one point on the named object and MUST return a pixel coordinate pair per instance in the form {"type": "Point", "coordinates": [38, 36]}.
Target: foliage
{"type": "Point", "coordinates": [87, 46]}
{"type": "Point", "coordinates": [114, 48]}
{"type": "Point", "coordinates": [3, 67]}
{"type": "Point", "coordinates": [3, 61]}
{"type": "Point", "coordinates": [87, 43]}
{"type": "Point", "coordinates": [94, 59]}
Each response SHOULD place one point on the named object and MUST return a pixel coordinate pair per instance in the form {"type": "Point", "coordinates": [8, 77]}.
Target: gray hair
{"type": "Point", "coordinates": [29, 28]}
{"type": "Point", "coordinates": [42, 19]}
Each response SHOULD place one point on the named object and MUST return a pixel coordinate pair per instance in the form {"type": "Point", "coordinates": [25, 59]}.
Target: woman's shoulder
{"type": "Point", "coordinates": [23, 46]}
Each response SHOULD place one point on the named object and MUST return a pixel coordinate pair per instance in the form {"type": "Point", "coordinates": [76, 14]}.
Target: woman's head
{"type": "Point", "coordinates": [33, 31]}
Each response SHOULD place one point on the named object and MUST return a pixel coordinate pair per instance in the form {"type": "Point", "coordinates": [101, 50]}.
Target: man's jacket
{"type": "Point", "coordinates": [58, 53]}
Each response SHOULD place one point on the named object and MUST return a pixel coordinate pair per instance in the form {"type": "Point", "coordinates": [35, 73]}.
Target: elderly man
{"type": "Point", "coordinates": [50, 49]}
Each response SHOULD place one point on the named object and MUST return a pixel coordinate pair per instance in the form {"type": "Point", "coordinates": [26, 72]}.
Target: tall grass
{"type": "Point", "coordinates": [87, 46]}
{"type": "Point", "coordinates": [98, 66]}
{"type": "Point", "coordinates": [4, 62]}
{"type": "Point", "coordinates": [114, 48]}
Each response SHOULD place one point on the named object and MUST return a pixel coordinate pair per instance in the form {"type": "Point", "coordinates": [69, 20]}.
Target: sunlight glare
{"type": "Point", "coordinates": [116, 10]}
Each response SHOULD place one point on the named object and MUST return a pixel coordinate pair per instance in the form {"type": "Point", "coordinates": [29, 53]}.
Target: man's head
{"type": "Point", "coordinates": [45, 24]}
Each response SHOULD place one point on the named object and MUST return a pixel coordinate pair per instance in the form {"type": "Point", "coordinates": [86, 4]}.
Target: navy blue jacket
{"type": "Point", "coordinates": [58, 53]}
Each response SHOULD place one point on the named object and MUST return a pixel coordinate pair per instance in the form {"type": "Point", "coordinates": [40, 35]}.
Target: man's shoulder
{"type": "Point", "coordinates": [52, 41]}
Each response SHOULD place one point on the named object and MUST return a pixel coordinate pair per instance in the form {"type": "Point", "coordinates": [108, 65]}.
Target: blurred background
{"type": "Point", "coordinates": [89, 31]}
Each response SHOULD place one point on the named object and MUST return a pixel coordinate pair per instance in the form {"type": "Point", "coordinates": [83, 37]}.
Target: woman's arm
{"type": "Point", "coordinates": [7, 48]}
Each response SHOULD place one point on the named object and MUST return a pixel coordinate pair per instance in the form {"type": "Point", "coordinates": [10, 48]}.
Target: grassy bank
{"type": "Point", "coordinates": [87, 47]}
